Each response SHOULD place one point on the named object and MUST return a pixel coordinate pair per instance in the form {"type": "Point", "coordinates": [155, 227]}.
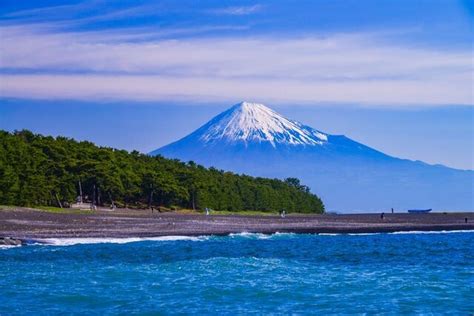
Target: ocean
{"type": "Point", "coordinates": [399, 273]}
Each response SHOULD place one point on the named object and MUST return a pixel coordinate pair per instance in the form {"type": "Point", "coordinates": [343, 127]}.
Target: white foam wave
{"type": "Point", "coordinates": [363, 234]}
{"type": "Point", "coordinates": [284, 234]}
{"type": "Point", "coordinates": [250, 235]}
{"type": "Point", "coordinates": [80, 241]}
{"type": "Point", "coordinates": [433, 232]}
{"type": "Point", "coordinates": [400, 232]}
{"type": "Point", "coordinates": [260, 235]}
{"type": "Point", "coordinates": [9, 246]}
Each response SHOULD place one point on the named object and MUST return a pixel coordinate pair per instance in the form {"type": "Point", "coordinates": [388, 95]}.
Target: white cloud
{"type": "Point", "coordinates": [242, 10]}
{"type": "Point", "coordinates": [149, 87]}
{"type": "Point", "coordinates": [348, 68]}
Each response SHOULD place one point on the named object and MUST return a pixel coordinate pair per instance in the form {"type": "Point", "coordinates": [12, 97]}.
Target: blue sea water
{"type": "Point", "coordinates": [240, 274]}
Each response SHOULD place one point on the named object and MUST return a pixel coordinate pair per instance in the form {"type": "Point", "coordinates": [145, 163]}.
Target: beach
{"type": "Point", "coordinates": [29, 224]}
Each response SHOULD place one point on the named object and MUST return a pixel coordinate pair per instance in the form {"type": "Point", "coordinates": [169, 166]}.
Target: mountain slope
{"type": "Point", "coordinates": [349, 176]}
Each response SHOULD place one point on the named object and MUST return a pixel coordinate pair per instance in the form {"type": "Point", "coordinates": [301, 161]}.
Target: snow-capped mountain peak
{"type": "Point", "coordinates": [252, 139]}
{"type": "Point", "coordinates": [253, 122]}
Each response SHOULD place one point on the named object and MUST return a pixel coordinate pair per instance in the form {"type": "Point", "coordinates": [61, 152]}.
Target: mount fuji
{"type": "Point", "coordinates": [349, 176]}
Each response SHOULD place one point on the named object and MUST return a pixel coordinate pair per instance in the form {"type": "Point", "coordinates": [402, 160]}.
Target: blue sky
{"type": "Point", "coordinates": [396, 75]}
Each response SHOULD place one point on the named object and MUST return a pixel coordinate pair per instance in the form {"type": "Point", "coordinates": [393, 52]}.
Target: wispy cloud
{"type": "Point", "coordinates": [47, 10]}
{"type": "Point", "coordinates": [83, 13]}
{"type": "Point", "coordinates": [144, 64]}
{"type": "Point", "coordinates": [69, 14]}
{"type": "Point", "coordinates": [238, 10]}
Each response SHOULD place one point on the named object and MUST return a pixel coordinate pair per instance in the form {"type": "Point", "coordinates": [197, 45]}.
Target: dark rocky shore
{"type": "Point", "coordinates": [20, 224]}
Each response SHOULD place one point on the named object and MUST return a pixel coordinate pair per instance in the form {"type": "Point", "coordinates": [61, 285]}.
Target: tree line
{"type": "Point", "coordinates": [45, 170]}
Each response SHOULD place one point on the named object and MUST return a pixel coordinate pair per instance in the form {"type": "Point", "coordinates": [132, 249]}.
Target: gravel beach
{"type": "Point", "coordinates": [30, 224]}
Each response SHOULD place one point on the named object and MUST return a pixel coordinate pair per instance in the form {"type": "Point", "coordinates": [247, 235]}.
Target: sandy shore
{"type": "Point", "coordinates": [27, 224]}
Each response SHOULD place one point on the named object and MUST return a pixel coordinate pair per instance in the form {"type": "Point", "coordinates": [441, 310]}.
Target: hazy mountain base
{"type": "Point", "coordinates": [347, 175]}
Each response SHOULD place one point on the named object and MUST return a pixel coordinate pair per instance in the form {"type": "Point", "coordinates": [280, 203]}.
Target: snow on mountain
{"type": "Point", "coordinates": [254, 122]}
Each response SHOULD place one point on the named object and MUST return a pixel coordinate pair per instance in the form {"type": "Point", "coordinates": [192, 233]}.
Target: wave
{"type": "Point", "coordinates": [399, 233]}
{"type": "Point", "coordinates": [329, 234]}
{"type": "Point", "coordinates": [250, 235]}
{"type": "Point", "coordinates": [83, 241]}
{"type": "Point", "coordinates": [433, 232]}
{"type": "Point", "coordinates": [9, 246]}
{"type": "Point", "coordinates": [347, 234]}
{"type": "Point", "coordinates": [284, 234]}
{"type": "Point", "coordinates": [260, 235]}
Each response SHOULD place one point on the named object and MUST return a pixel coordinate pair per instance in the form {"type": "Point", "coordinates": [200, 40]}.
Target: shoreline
{"type": "Point", "coordinates": [26, 225]}
{"type": "Point", "coordinates": [72, 241]}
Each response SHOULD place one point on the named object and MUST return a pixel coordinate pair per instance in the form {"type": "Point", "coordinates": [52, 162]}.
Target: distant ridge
{"type": "Point", "coordinates": [349, 176]}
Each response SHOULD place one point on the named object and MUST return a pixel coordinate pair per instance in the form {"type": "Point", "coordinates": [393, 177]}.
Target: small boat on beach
{"type": "Point", "coordinates": [420, 211]}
